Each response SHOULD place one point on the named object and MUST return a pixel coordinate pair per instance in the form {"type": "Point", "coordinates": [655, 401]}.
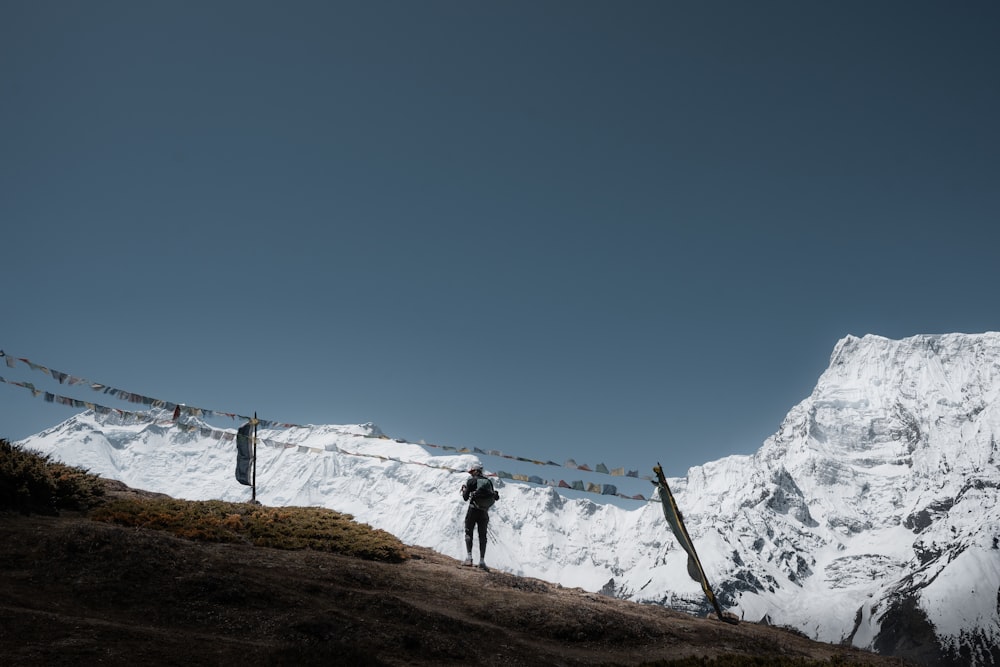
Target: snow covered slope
{"type": "Point", "coordinates": [870, 517]}
{"type": "Point", "coordinates": [872, 514]}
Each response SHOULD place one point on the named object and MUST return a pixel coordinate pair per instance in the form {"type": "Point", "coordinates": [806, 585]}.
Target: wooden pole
{"type": "Point", "coordinates": [253, 487]}
{"type": "Point", "coordinates": [677, 527]}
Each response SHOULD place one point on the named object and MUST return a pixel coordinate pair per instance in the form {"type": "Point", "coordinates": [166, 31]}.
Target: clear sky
{"type": "Point", "coordinates": [622, 232]}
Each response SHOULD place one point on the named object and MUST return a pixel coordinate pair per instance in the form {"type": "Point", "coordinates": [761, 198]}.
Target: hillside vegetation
{"type": "Point", "coordinates": [92, 571]}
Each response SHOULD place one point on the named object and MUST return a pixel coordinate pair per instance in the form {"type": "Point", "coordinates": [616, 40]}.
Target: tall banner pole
{"type": "Point", "coordinates": [676, 522]}
{"type": "Point", "coordinates": [253, 496]}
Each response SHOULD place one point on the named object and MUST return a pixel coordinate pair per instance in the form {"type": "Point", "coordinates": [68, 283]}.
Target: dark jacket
{"type": "Point", "coordinates": [470, 487]}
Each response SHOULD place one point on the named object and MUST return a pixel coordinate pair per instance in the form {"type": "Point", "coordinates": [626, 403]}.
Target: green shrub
{"type": "Point", "coordinates": [31, 482]}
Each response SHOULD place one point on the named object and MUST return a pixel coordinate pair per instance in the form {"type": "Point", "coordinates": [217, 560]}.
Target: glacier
{"type": "Point", "coordinates": [870, 517]}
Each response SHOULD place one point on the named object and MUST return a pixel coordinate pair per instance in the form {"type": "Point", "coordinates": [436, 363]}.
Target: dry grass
{"type": "Point", "coordinates": [31, 483]}
{"type": "Point", "coordinates": [291, 528]}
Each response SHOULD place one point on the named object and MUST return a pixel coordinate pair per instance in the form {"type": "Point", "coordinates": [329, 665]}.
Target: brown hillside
{"type": "Point", "coordinates": [77, 592]}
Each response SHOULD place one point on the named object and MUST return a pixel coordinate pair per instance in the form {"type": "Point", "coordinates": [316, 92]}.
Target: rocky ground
{"type": "Point", "coordinates": [77, 592]}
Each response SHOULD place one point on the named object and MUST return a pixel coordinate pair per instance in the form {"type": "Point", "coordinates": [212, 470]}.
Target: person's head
{"type": "Point", "coordinates": [476, 469]}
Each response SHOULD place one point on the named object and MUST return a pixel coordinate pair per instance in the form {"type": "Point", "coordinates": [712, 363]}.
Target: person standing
{"type": "Point", "coordinates": [479, 491]}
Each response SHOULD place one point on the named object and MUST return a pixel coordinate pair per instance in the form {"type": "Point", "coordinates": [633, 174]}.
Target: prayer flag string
{"type": "Point", "coordinates": [180, 410]}
{"type": "Point", "coordinates": [230, 436]}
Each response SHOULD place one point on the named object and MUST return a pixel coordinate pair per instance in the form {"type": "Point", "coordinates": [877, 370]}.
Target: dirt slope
{"type": "Point", "coordinates": [73, 591]}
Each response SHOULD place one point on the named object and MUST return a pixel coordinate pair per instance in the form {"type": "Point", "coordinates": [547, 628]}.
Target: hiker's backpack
{"type": "Point", "coordinates": [484, 495]}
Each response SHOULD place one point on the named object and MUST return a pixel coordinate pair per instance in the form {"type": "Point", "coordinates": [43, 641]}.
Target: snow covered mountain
{"type": "Point", "coordinates": [871, 517]}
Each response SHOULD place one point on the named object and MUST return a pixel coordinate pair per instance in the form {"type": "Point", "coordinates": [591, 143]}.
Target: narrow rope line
{"type": "Point", "coordinates": [181, 410]}
{"type": "Point", "coordinates": [230, 436]}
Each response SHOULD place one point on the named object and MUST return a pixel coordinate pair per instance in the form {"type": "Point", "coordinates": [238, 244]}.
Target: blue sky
{"type": "Point", "coordinates": [617, 232]}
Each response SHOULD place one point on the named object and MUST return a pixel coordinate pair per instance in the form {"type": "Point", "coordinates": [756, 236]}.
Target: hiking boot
{"type": "Point", "coordinates": [482, 566]}
{"type": "Point", "coordinates": [468, 561]}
